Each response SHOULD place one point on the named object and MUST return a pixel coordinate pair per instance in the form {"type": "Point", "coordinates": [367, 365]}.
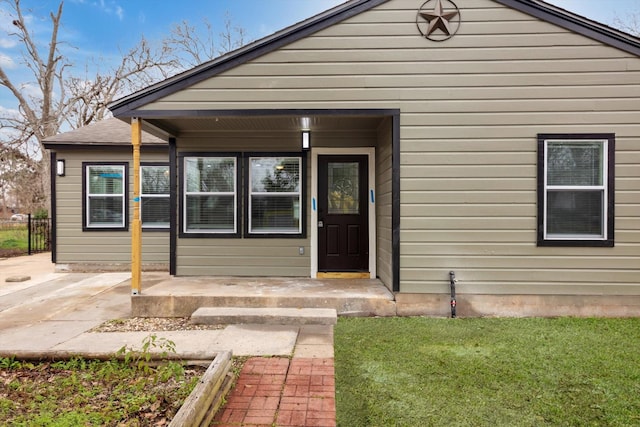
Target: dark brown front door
{"type": "Point", "coordinates": [343, 218]}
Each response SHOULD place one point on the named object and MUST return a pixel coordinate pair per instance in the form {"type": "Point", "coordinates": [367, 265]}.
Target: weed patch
{"type": "Point", "coordinates": [133, 391]}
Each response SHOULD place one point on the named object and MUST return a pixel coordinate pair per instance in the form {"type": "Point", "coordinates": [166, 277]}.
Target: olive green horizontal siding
{"type": "Point", "coordinates": [499, 248]}
{"type": "Point", "coordinates": [99, 247]}
{"type": "Point", "coordinates": [525, 287]}
{"type": "Point", "coordinates": [471, 108]}
{"type": "Point", "coordinates": [505, 85]}
{"type": "Point", "coordinates": [243, 257]}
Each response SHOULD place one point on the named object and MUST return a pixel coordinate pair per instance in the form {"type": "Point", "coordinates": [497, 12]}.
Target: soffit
{"type": "Point", "coordinates": [321, 123]}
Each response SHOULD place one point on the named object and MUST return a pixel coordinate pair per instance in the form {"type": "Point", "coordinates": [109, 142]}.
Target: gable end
{"type": "Point", "coordinates": [125, 106]}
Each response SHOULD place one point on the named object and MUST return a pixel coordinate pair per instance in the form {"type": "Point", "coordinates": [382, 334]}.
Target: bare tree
{"type": "Point", "coordinates": [191, 46]}
{"type": "Point", "coordinates": [232, 37]}
{"type": "Point", "coordinates": [89, 96]}
{"type": "Point", "coordinates": [21, 183]}
{"type": "Point", "coordinates": [629, 23]}
{"type": "Point", "coordinates": [38, 113]}
{"type": "Point", "coordinates": [55, 98]}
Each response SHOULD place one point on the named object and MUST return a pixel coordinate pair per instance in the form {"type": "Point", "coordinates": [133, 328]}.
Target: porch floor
{"type": "Point", "coordinates": [166, 296]}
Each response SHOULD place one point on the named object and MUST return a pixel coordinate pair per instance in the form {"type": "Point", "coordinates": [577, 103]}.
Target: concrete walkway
{"type": "Point", "coordinates": [51, 314]}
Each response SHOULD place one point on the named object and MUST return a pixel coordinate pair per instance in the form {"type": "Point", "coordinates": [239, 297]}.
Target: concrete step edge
{"type": "Point", "coordinates": [265, 315]}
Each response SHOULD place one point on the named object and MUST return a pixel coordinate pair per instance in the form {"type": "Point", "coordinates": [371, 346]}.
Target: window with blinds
{"type": "Point", "coordinates": [105, 196]}
{"type": "Point", "coordinates": [210, 195]}
{"type": "Point", "coordinates": [274, 195]}
{"type": "Point", "coordinates": [154, 196]}
{"type": "Point", "coordinates": [576, 189]}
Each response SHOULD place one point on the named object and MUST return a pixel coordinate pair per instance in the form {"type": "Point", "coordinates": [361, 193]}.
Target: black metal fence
{"type": "Point", "coordinates": [39, 235]}
{"type": "Point", "coordinates": [24, 234]}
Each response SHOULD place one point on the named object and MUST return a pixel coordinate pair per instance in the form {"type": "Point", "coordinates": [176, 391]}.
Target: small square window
{"type": "Point", "coordinates": [576, 190]}
{"type": "Point", "coordinates": [104, 203]}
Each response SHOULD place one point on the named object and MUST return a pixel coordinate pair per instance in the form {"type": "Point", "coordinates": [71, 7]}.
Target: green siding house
{"type": "Point", "coordinates": [391, 139]}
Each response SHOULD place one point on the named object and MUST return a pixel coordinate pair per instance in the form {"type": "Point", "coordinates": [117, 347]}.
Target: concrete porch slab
{"type": "Point", "coordinates": [181, 296]}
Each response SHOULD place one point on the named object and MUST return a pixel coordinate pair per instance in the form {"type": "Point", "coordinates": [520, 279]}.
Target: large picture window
{"type": "Point", "coordinates": [105, 188]}
{"type": "Point", "coordinates": [576, 190]}
{"type": "Point", "coordinates": [274, 195]}
{"type": "Point", "coordinates": [154, 196]}
{"type": "Point", "coordinates": [210, 195]}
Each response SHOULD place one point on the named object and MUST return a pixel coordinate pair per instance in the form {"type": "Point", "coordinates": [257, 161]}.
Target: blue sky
{"type": "Point", "coordinates": [104, 28]}
{"type": "Point", "coordinates": [101, 26]}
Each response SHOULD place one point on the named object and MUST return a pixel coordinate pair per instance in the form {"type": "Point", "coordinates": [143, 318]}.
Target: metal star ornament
{"type": "Point", "coordinates": [441, 23]}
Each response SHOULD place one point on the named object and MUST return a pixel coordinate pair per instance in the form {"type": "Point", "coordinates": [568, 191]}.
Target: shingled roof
{"type": "Point", "coordinates": [109, 132]}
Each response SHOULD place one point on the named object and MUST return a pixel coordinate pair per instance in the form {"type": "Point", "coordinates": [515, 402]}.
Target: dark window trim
{"type": "Point", "coordinates": [125, 185]}
{"type": "Point", "coordinates": [303, 187]}
{"type": "Point", "coordinates": [610, 202]}
{"type": "Point", "coordinates": [148, 228]}
{"type": "Point", "coordinates": [181, 192]}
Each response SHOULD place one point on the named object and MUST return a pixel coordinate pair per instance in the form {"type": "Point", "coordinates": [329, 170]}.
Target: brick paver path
{"type": "Point", "coordinates": [282, 392]}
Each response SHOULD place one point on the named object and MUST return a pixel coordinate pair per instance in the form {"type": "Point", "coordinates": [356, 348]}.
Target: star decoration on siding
{"type": "Point", "coordinates": [441, 23]}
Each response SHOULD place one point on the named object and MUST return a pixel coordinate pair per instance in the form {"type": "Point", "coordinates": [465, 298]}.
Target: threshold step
{"type": "Point", "coordinates": [264, 315]}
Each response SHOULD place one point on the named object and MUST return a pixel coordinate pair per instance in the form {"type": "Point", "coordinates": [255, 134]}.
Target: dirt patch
{"type": "Point", "coordinates": [152, 324]}
{"type": "Point", "coordinates": [10, 253]}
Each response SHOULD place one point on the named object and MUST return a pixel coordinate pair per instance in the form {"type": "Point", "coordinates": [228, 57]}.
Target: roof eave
{"type": "Point", "coordinates": [53, 145]}
{"type": "Point", "coordinates": [576, 23]}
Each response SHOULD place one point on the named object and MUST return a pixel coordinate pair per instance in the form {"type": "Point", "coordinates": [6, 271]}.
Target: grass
{"type": "Point", "coordinates": [14, 238]}
{"type": "Point", "coordinates": [487, 372]}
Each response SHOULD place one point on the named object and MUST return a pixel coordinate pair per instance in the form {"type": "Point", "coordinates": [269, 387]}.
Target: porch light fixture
{"type": "Point", "coordinates": [306, 139]}
{"type": "Point", "coordinates": [60, 167]}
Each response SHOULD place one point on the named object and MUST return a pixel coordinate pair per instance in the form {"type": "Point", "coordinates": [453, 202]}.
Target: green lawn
{"type": "Point", "coordinates": [487, 372]}
{"type": "Point", "coordinates": [14, 237]}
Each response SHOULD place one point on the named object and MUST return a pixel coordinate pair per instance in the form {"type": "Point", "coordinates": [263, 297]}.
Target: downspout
{"type": "Point", "coordinates": [452, 283]}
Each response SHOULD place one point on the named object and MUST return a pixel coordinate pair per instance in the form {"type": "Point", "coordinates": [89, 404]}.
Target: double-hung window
{"type": "Point", "coordinates": [210, 203]}
{"type": "Point", "coordinates": [105, 202]}
{"type": "Point", "coordinates": [274, 195]}
{"type": "Point", "coordinates": [576, 190]}
{"type": "Point", "coordinates": [154, 196]}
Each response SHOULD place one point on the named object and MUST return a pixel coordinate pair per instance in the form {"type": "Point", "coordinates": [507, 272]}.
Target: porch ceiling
{"type": "Point", "coordinates": [189, 125]}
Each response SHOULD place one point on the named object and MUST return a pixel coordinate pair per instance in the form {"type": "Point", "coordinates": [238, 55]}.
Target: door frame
{"type": "Point", "coordinates": [371, 195]}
